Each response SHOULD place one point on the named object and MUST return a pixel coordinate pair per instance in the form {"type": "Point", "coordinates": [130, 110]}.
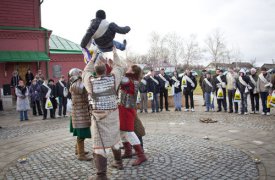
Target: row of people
{"type": "Point", "coordinates": [237, 86]}
{"type": "Point", "coordinates": [158, 86]}
{"type": "Point", "coordinates": [36, 94]}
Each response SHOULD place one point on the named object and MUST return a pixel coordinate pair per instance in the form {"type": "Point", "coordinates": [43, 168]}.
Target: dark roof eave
{"type": "Point", "coordinates": [23, 28]}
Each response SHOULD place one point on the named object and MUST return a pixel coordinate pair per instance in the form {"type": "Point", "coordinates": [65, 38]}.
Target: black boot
{"type": "Point", "coordinates": [101, 168]}
{"type": "Point", "coordinates": [118, 160]}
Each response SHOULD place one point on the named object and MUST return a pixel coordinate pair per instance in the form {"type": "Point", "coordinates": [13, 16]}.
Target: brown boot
{"type": "Point", "coordinates": [76, 153]}
{"type": "Point", "coordinates": [118, 160]}
{"type": "Point", "coordinates": [80, 149]}
{"type": "Point", "coordinates": [127, 150]}
{"type": "Point", "coordinates": [101, 167]}
{"type": "Point", "coordinates": [140, 155]}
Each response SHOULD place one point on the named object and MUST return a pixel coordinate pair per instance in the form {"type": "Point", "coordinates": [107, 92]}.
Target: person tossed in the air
{"type": "Point", "coordinates": [102, 33]}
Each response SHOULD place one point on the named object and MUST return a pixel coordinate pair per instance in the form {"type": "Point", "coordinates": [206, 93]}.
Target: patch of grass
{"type": "Point", "coordinates": [198, 90]}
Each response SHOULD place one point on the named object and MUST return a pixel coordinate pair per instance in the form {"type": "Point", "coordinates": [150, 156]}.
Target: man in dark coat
{"type": "Point", "coordinates": [35, 91]}
{"type": "Point", "coordinates": [164, 82]}
{"type": "Point", "coordinates": [103, 34]}
{"type": "Point", "coordinates": [203, 75]}
{"type": "Point", "coordinates": [53, 98]}
{"type": "Point", "coordinates": [15, 79]}
{"type": "Point", "coordinates": [153, 87]}
{"type": "Point", "coordinates": [221, 82]}
{"type": "Point", "coordinates": [29, 77]}
{"type": "Point", "coordinates": [62, 93]}
{"type": "Point", "coordinates": [188, 89]}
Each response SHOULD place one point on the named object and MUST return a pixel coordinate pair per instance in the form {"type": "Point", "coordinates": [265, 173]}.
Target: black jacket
{"type": "Point", "coordinates": [189, 87]}
{"type": "Point", "coordinates": [162, 82]}
{"type": "Point", "coordinates": [142, 87]}
{"type": "Point", "coordinates": [241, 87]}
{"type": "Point", "coordinates": [43, 92]}
{"type": "Point", "coordinates": [216, 81]}
{"type": "Point", "coordinates": [60, 89]}
{"type": "Point", "coordinates": [177, 89]}
{"type": "Point", "coordinates": [106, 40]}
{"type": "Point", "coordinates": [29, 78]}
{"type": "Point", "coordinates": [206, 87]}
{"type": "Point", "coordinates": [153, 86]}
{"type": "Point", "coordinates": [15, 80]}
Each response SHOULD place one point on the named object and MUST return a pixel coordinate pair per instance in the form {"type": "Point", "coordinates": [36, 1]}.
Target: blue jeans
{"type": "Point", "coordinates": [155, 103]}
{"type": "Point", "coordinates": [24, 115]}
{"type": "Point", "coordinates": [177, 100]}
{"type": "Point", "coordinates": [209, 105]}
{"type": "Point", "coordinates": [264, 101]}
{"type": "Point", "coordinates": [117, 44]}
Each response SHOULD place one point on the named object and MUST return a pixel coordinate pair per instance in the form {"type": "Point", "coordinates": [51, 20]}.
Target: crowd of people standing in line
{"type": "Point", "coordinates": [34, 92]}
{"type": "Point", "coordinates": [224, 86]}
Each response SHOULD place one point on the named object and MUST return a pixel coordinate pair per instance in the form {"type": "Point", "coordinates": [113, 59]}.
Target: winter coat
{"type": "Point", "coordinates": [44, 91]}
{"type": "Point", "coordinates": [15, 80]}
{"type": "Point", "coordinates": [177, 89]}
{"type": "Point", "coordinates": [261, 85]}
{"type": "Point", "coordinates": [106, 40]}
{"type": "Point", "coordinates": [29, 78]}
{"type": "Point", "coordinates": [35, 92]}
{"type": "Point", "coordinates": [142, 87]}
{"type": "Point", "coordinates": [60, 89]}
{"type": "Point", "coordinates": [189, 87]}
{"type": "Point", "coordinates": [162, 82]}
{"type": "Point", "coordinates": [153, 86]}
{"type": "Point", "coordinates": [255, 77]}
{"type": "Point", "coordinates": [80, 106]}
{"type": "Point", "coordinates": [208, 88]}
{"type": "Point", "coordinates": [241, 87]}
{"type": "Point", "coordinates": [217, 82]}
{"type": "Point", "coordinates": [22, 103]}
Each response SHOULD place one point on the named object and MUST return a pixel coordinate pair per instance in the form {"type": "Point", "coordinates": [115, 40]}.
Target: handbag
{"type": "Point", "coordinates": [49, 104]}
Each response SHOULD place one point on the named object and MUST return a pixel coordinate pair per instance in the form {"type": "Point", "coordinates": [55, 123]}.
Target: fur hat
{"type": "Point", "coordinates": [100, 14]}
{"type": "Point", "coordinates": [242, 71]}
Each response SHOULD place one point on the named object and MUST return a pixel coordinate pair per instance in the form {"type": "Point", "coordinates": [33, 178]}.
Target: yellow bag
{"type": "Point", "coordinates": [220, 93]}
{"type": "Point", "coordinates": [183, 82]}
{"type": "Point", "coordinates": [272, 99]}
{"type": "Point", "coordinates": [48, 104]}
{"type": "Point", "coordinates": [237, 96]}
{"type": "Point", "coordinates": [150, 96]}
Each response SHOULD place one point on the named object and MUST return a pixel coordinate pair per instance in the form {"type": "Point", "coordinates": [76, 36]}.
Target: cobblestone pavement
{"type": "Point", "coordinates": [174, 143]}
{"type": "Point", "coordinates": [169, 157]}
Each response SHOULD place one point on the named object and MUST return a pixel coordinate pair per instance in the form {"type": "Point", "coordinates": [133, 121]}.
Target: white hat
{"type": "Point", "coordinates": [242, 71]}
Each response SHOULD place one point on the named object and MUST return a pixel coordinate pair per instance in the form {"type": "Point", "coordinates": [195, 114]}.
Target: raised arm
{"type": "Point", "coordinates": [118, 68]}
{"type": "Point", "coordinates": [121, 30]}
{"type": "Point", "coordinates": [87, 37]}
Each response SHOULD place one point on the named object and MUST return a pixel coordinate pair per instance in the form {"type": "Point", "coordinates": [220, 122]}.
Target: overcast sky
{"type": "Point", "coordinates": [247, 24]}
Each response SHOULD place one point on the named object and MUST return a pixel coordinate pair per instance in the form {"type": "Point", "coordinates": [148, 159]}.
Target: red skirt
{"type": "Point", "coordinates": [127, 118]}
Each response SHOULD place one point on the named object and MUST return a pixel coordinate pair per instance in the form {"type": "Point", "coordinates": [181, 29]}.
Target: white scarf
{"type": "Point", "coordinates": [209, 84]}
{"type": "Point", "coordinates": [223, 85]}
{"type": "Point", "coordinates": [49, 90]}
{"type": "Point", "coordinates": [156, 81]}
{"type": "Point", "coordinates": [252, 80]}
{"type": "Point", "coordinates": [189, 80]}
{"type": "Point", "coordinates": [262, 78]}
{"type": "Point", "coordinates": [245, 84]}
{"type": "Point", "coordinates": [102, 28]}
{"type": "Point", "coordinates": [166, 82]}
{"type": "Point", "coordinates": [177, 82]}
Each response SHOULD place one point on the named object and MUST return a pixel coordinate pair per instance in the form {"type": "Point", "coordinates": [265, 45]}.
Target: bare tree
{"type": "Point", "coordinates": [216, 47]}
{"type": "Point", "coordinates": [192, 52]}
{"type": "Point", "coordinates": [175, 47]}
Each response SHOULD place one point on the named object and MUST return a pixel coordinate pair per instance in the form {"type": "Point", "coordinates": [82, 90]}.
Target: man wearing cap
{"type": "Point", "coordinates": [164, 82]}
{"type": "Point", "coordinates": [263, 84]}
{"type": "Point", "coordinates": [254, 93]}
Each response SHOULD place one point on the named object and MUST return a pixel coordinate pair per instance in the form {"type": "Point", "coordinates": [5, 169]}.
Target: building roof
{"type": "Point", "coordinates": [268, 66]}
{"type": "Point", "coordinates": [59, 45]}
{"type": "Point", "coordinates": [23, 56]}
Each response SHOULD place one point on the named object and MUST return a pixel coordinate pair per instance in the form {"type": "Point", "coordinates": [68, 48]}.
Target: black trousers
{"type": "Point", "coordinates": [222, 102]}
{"type": "Point", "coordinates": [255, 101]}
{"type": "Point", "coordinates": [231, 95]}
{"type": "Point", "coordinates": [36, 108]}
{"type": "Point", "coordinates": [62, 105]}
{"type": "Point", "coordinates": [52, 111]}
{"type": "Point", "coordinates": [163, 92]}
{"type": "Point", "coordinates": [189, 94]}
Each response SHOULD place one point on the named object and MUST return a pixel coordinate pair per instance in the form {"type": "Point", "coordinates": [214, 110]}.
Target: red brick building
{"type": "Point", "coordinates": [25, 44]}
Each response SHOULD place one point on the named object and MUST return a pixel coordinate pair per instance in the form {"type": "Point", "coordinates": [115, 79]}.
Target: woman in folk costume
{"type": "Point", "coordinates": [102, 93]}
{"type": "Point", "coordinates": [263, 85]}
{"type": "Point", "coordinates": [244, 85]}
{"type": "Point", "coordinates": [127, 114]}
{"type": "Point", "coordinates": [176, 85]}
{"type": "Point", "coordinates": [22, 103]}
{"type": "Point", "coordinates": [80, 117]}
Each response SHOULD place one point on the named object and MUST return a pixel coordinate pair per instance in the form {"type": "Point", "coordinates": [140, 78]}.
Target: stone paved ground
{"type": "Point", "coordinates": [174, 144]}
